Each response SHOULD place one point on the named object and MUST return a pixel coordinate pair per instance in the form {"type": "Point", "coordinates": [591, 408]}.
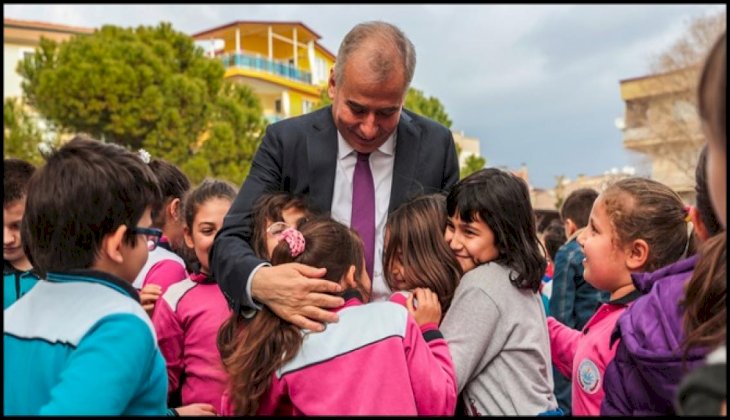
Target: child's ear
{"type": "Point", "coordinates": [111, 245]}
{"type": "Point", "coordinates": [174, 209]}
{"type": "Point", "coordinates": [570, 227]}
{"type": "Point", "coordinates": [349, 281]}
{"type": "Point", "coordinates": [188, 237]}
{"type": "Point", "coordinates": [637, 254]}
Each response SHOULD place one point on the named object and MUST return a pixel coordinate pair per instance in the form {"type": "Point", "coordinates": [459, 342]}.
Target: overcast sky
{"type": "Point", "coordinates": [536, 84]}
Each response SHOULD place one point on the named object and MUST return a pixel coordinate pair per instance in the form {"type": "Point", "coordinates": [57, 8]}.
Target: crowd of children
{"type": "Point", "coordinates": [110, 307]}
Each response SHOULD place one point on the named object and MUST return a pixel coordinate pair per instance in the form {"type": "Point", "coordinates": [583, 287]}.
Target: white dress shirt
{"type": "Point", "coordinates": [381, 166]}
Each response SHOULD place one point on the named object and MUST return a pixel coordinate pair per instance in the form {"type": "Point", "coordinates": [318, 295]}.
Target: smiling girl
{"type": "Point", "coordinates": [496, 326]}
{"type": "Point", "coordinates": [188, 316]}
{"type": "Point", "coordinates": [636, 225]}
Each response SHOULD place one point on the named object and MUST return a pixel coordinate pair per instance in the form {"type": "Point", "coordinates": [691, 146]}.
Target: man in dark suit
{"type": "Point", "coordinates": [319, 155]}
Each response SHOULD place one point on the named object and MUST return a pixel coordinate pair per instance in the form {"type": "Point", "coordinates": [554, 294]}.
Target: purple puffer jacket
{"type": "Point", "coordinates": [643, 377]}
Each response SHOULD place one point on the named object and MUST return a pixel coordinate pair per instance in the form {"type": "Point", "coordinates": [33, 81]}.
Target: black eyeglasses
{"type": "Point", "coordinates": [151, 234]}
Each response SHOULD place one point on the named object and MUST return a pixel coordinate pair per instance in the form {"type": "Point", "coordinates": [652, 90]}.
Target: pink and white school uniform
{"type": "Point", "coordinates": [163, 267]}
{"type": "Point", "coordinates": [186, 320]}
{"type": "Point", "coordinates": [584, 355]}
{"type": "Point", "coordinates": [375, 361]}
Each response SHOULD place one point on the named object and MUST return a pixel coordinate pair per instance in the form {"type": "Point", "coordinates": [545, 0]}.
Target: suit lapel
{"type": "Point", "coordinates": [407, 150]}
{"type": "Point", "coordinates": [322, 157]}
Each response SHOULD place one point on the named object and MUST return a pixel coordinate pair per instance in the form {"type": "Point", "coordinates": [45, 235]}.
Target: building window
{"type": "Point", "coordinates": [321, 68]}
{"type": "Point", "coordinates": [636, 113]}
{"type": "Point", "coordinates": [277, 106]}
{"type": "Point", "coordinates": [307, 106]}
{"type": "Point", "coordinates": [25, 52]}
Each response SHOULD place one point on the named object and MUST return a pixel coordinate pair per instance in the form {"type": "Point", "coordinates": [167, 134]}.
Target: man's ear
{"type": "Point", "coordinates": [699, 226]}
{"type": "Point", "coordinates": [111, 245]}
{"type": "Point", "coordinates": [637, 254]}
{"type": "Point", "coordinates": [331, 85]}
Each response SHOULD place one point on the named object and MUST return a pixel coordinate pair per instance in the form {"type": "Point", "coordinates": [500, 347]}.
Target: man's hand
{"type": "Point", "coordinates": [427, 308]}
{"type": "Point", "coordinates": [295, 293]}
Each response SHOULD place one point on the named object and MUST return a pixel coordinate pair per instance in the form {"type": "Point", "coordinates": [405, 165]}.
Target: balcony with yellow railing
{"type": "Point", "coordinates": [274, 67]}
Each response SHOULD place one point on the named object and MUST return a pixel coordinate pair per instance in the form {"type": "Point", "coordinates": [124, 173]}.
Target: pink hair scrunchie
{"type": "Point", "coordinates": [295, 239]}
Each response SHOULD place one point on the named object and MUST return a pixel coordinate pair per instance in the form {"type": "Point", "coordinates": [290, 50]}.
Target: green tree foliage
{"type": "Point", "coordinates": [21, 135]}
{"type": "Point", "coordinates": [472, 164]}
{"type": "Point", "coordinates": [146, 87]}
{"type": "Point", "coordinates": [227, 147]}
{"type": "Point", "coordinates": [415, 101]}
{"type": "Point", "coordinates": [430, 107]}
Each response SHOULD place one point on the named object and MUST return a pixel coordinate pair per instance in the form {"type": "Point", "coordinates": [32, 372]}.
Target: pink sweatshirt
{"type": "Point", "coordinates": [376, 360]}
{"type": "Point", "coordinates": [186, 320]}
{"type": "Point", "coordinates": [584, 355]}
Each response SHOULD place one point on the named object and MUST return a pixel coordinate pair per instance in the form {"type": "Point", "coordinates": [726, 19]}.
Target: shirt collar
{"type": "Point", "coordinates": [10, 269]}
{"type": "Point", "coordinates": [575, 234]}
{"type": "Point", "coordinates": [352, 297]}
{"type": "Point", "coordinates": [199, 277]}
{"type": "Point", "coordinates": [625, 300]}
{"type": "Point", "coordinates": [164, 242]}
{"type": "Point", "coordinates": [94, 276]}
{"type": "Point", "coordinates": [344, 149]}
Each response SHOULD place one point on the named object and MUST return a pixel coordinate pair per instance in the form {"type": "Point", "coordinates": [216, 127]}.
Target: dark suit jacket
{"type": "Point", "coordinates": [299, 155]}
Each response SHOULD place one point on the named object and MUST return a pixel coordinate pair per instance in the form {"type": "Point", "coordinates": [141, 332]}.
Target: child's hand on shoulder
{"type": "Point", "coordinates": [148, 297]}
{"type": "Point", "coordinates": [426, 307]}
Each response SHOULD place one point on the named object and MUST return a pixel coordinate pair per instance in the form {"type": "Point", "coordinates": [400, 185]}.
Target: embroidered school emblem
{"type": "Point", "coordinates": [589, 377]}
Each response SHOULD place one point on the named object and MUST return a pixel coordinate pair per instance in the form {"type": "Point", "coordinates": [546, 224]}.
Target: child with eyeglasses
{"type": "Point", "coordinates": [272, 214]}
{"type": "Point", "coordinates": [90, 349]}
{"type": "Point", "coordinates": [188, 316]}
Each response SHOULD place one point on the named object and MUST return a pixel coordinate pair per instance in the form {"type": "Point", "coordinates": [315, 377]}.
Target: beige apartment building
{"type": "Point", "coordinates": [20, 38]}
{"type": "Point", "coordinates": [661, 122]}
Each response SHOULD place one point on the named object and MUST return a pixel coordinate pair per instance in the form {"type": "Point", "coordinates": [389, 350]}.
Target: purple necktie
{"type": "Point", "coordinates": [363, 208]}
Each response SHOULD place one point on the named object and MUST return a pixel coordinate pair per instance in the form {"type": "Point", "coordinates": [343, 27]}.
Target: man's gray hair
{"type": "Point", "coordinates": [390, 39]}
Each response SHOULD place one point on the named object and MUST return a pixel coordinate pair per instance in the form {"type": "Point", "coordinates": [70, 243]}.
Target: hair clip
{"type": "Point", "coordinates": [144, 155]}
{"type": "Point", "coordinates": [295, 239]}
{"type": "Point", "coordinates": [688, 214]}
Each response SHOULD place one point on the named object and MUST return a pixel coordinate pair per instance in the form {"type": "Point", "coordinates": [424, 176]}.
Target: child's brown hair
{"type": "Point", "coordinates": [704, 320]}
{"type": "Point", "coordinates": [641, 208]}
{"type": "Point", "coordinates": [417, 238]}
{"type": "Point", "coordinates": [252, 352]}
